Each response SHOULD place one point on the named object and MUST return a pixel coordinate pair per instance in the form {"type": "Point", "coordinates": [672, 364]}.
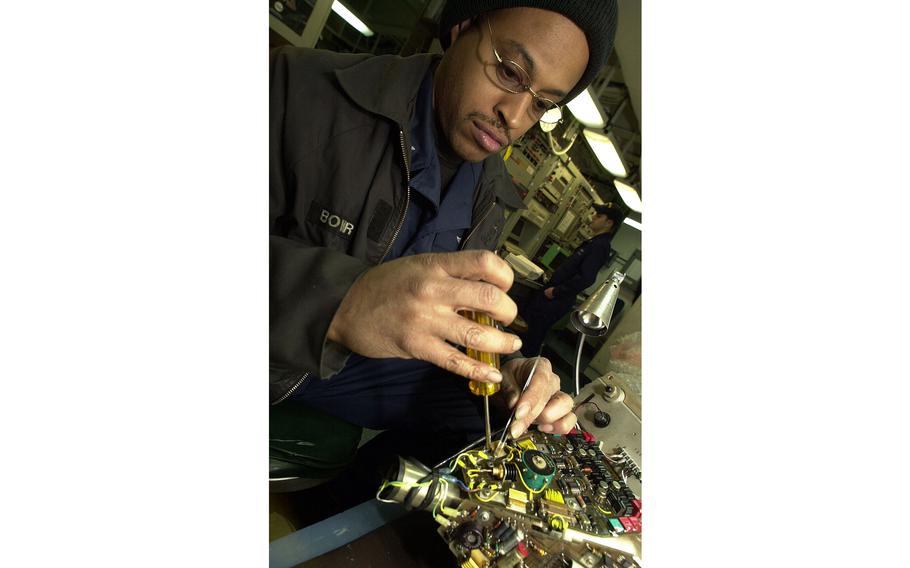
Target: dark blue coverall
{"type": "Point", "coordinates": [574, 275]}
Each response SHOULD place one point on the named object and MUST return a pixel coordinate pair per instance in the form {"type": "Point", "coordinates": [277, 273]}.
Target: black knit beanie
{"type": "Point", "coordinates": [597, 18]}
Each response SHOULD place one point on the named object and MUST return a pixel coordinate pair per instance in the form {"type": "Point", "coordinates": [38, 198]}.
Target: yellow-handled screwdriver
{"type": "Point", "coordinates": [479, 388]}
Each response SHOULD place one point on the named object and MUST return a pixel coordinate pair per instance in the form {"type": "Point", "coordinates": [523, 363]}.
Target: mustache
{"type": "Point", "coordinates": [492, 122]}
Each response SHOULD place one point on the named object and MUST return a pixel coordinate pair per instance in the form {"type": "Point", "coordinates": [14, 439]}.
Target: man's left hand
{"type": "Point", "coordinates": [542, 403]}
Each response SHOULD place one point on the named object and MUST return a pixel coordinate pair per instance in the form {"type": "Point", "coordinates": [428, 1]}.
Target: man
{"type": "Point", "coordinates": [576, 273]}
{"type": "Point", "coordinates": [385, 176]}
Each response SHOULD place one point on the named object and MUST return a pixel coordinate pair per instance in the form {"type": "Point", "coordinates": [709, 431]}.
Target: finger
{"type": "Point", "coordinates": [510, 388]}
{"type": "Point", "coordinates": [476, 265]}
{"type": "Point", "coordinates": [542, 386]}
{"type": "Point", "coordinates": [479, 297]}
{"type": "Point", "coordinates": [515, 375]}
{"type": "Point", "coordinates": [468, 333]}
{"type": "Point", "coordinates": [452, 360]}
{"type": "Point", "coordinates": [559, 405]}
{"type": "Point", "coordinates": [561, 426]}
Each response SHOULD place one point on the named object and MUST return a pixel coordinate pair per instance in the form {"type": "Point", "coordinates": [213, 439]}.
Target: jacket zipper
{"type": "Point", "coordinates": [407, 202]}
{"type": "Point", "coordinates": [479, 223]}
{"type": "Point", "coordinates": [293, 388]}
{"type": "Point", "coordinates": [407, 197]}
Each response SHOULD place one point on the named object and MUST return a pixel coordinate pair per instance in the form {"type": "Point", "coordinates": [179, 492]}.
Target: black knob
{"type": "Point", "coordinates": [601, 419]}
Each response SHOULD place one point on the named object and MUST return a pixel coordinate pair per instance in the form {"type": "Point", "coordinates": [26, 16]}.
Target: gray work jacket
{"type": "Point", "coordinates": [338, 191]}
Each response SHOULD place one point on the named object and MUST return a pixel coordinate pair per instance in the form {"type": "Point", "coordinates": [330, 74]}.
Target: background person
{"type": "Point", "coordinates": [548, 305]}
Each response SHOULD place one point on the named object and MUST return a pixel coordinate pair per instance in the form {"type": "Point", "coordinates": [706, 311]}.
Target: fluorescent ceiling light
{"type": "Point", "coordinates": [606, 153]}
{"type": "Point", "coordinates": [350, 18]}
{"type": "Point", "coordinates": [587, 110]}
{"type": "Point", "coordinates": [629, 195]}
{"type": "Point", "coordinates": [632, 223]}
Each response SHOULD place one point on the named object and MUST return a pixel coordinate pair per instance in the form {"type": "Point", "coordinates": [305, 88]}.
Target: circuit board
{"type": "Point", "coordinates": [543, 500]}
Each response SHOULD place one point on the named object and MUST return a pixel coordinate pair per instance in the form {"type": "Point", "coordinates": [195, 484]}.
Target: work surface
{"type": "Point", "coordinates": [408, 542]}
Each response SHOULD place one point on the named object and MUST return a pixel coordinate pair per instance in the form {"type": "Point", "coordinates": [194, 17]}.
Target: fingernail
{"type": "Point", "coordinates": [522, 410]}
{"type": "Point", "coordinates": [494, 375]}
{"type": "Point", "coordinates": [545, 427]}
{"type": "Point", "coordinates": [516, 345]}
{"type": "Point", "coordinates": [516, 430]}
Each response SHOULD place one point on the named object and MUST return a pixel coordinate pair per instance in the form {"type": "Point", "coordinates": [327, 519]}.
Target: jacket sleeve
{"type": "Point", "coordinates": [306, 283]}
{"type": "Point", "coordinates": [586, 274]}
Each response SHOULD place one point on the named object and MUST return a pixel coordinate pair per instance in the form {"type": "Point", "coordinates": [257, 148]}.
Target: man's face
{"type": "Point", "coordinates": [477, 116]}
{"type": "Point", "coordinates": [598, 222]}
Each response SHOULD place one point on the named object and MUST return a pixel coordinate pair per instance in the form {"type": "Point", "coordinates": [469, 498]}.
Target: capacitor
{"type": "Point", "coordinates": [500, 531]}
{"type": "Point", "coordinates": [508, 542]}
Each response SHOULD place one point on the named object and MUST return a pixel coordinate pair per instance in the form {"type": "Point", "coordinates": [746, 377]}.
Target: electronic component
{"type": "Point", "coordinates": [601, 419]}
{"type": "Point", "coordinates": [537, 470]}
{"type": "Point", "coordinates": [544, 500]}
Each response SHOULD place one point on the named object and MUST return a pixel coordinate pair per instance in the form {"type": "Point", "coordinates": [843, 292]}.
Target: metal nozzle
{"type": "Point", "coordinates": [409, 490]}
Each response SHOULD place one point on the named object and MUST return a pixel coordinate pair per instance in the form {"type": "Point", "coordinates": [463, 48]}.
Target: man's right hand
{"type": "Point", "coordinates": [407, 308]}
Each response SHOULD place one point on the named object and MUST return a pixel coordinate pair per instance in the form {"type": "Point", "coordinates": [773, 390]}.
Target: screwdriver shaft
{"type": "Point", "coordinates": [486, 418]}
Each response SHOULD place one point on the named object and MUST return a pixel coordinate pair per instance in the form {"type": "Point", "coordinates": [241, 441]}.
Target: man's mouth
{"type": "Point", "coordinates": [486, 137]}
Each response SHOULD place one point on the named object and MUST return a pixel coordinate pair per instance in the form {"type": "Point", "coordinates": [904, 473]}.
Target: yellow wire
{"type": "Point", "coordinates": [443, 484]}
{"type": "Point", "coordinates": [531, 491]}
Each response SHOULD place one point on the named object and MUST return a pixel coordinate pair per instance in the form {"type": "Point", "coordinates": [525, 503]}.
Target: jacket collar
{"type": "Point", "coordinates": [388, 85]}
{"type": "Point", "coordinates": [503, 186]}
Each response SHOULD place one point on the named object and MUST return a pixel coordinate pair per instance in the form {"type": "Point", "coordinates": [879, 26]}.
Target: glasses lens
{"type": "Point", "coordinates": [511, 77]}
{"type": "Point", "coordinates": [552, 116]}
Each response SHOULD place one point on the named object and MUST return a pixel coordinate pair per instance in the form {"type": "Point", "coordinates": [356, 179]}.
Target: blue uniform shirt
{"type": "Point", "coordinates": [436, 220]}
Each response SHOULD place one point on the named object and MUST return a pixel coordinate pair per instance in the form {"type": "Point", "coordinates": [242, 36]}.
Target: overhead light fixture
{"type": "Point", "coordinates": [350, 18]}
{"type": "Point", "coordinates": [587, 110]}
{"type": "Point", "coordinates": [632, 223]}
{"type": "Point", "coordinates": [629, 195]}
{"type": "Point", "coordinates": [605, 150]}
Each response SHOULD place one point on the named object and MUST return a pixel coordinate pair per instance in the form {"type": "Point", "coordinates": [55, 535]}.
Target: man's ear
{"type": "Point", "coordinates": [457, 29]}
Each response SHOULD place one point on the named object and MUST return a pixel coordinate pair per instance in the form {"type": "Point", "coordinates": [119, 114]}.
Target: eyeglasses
{"type": "Point", "coordinates": [512, 77]}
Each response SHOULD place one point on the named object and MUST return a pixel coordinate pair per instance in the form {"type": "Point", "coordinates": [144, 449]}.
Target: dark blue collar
{"type": "Point", "coordinates": [425, 176]}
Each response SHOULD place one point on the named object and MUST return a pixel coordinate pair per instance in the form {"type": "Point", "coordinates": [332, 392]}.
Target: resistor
{"type": "Point", "coordinates": [532, 544]}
